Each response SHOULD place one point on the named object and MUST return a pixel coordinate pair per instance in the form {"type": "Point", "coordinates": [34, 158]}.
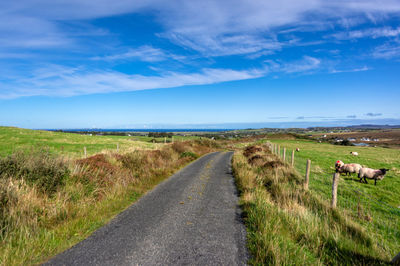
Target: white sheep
{"type": "Point", "coordinates": [372, 174]}
{"type": "Point", "coordinates": [347, 168]}
{"type": "Point", "coordinates": [297, 149]}
{"type": "Point", "coordinates": [354, 153]}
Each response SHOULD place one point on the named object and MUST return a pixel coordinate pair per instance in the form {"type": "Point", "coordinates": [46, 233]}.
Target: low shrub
{"type": "Point", "coordinates": [189, 154]}
{"type": "Point", "coordinates": [39, 167]}
{"type": "Point", "coordinates": [179, 147]}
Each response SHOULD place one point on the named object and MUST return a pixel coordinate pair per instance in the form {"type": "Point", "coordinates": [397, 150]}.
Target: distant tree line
{"type": "Point", "coordinates": [160, 134]}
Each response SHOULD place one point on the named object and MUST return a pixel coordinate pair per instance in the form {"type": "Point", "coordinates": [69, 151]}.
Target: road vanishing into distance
{"type": "Point", "coordinates": [191, 218]}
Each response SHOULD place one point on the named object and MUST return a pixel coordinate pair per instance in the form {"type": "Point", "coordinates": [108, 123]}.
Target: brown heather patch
{"type": "Point", "coordinates": [97, 170]}
{"type": "Point", "coordinates": [250, 150]}
{"type": "Point", "coordinates": [179, 147]}
{"type": "Point", "coordinates": [273, 164]}
{"type": "Point", "coordinates": [256, 160]}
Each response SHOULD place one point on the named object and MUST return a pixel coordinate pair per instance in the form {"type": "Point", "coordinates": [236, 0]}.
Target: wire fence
{"type": "Point", "coordinates": [369, 211]}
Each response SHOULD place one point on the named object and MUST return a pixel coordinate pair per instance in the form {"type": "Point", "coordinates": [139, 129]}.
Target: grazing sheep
{"type": "Point", "coordinates": [354, 153]}
{"type": "Point", "coordinates": [348, 168]}
{"type": "Point", "coordinates": [372, 174]}
{"type": "Point", "coordinates": [297, 149]}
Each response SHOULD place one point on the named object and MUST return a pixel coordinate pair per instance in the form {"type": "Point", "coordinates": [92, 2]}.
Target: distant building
{"type": "Point", "coordinates": [351, 139]}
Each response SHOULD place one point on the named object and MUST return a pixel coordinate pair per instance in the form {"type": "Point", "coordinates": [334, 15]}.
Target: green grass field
{"type": "Point", "coordinates": [13, 139]}
{"type": "Point", "coordinates": [376, 208]}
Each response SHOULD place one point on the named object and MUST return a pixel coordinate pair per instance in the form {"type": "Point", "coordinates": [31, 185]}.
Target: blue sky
{"type": "Point", "coordinates": [137, 64]}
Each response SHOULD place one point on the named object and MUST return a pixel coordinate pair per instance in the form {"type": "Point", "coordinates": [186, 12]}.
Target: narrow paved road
{"type": "Point", "coordinates": [192, 218]}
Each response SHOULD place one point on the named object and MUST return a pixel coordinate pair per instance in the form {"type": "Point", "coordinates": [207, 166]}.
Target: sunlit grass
{"type": "Point", "coordinates": [290, 226]}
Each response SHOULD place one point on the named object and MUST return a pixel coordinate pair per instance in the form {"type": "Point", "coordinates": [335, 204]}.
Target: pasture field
{"type": "Point", "coordinates": [376, 208]}
{"type": "Point", "coordinates": [288, 225]}
{"type": "Point", "coordinates": [323, 157]}
{"type": "Point", "coordinates": [70, 144]}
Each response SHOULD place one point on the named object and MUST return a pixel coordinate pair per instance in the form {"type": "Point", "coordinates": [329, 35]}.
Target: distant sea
{"type": "Point", "coordinates": [140, 130]}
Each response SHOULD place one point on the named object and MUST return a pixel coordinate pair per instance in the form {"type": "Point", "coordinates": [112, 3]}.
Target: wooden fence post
{"type": "Point", "coordinates": [335, 183]}
{"type": "Point", "coordinates": [307, 179]}
{"type": "Point", "coordinates": [279, 151]}
{"type": "Point", "coordinates": [292, 158]}
{"type": "Point", "coordinates": [117, 147]}
{"type": "Point", "coordinates": [84, 151]}
{"type": "Point", "coordinates": [284, 154]}
{"type": "Point", "coordinates": [165, 140]}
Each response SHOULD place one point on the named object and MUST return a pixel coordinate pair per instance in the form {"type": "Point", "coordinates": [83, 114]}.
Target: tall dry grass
{"type": "Point", "coordinates": [288, 225]}
{"type": "Point", "coordinates": [48, 203]}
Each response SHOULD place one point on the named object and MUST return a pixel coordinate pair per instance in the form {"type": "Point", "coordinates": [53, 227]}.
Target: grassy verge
{"type": "Point", "coordinates": [39, 218]}
{"type": "Point", "coordinates": [288, 225]}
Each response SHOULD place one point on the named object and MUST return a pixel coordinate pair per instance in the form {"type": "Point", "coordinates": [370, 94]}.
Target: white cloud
{"type": "Point", "coordinates": [359, 69]}
{"type": "Point", "coordinates": [144, 53]}
{"type": "Point", "coordinates": [258, 22]}
{"type": "Point", "coordinates": [306, 64]}
{"type": "Point", "coordinates": [388, 50]}
{"type": "Point", "coordinates": [367, 33]}
{"type": "Point", "coordinates": [211, 27]}
{"type": "Point", "coordinates": [61, 81]}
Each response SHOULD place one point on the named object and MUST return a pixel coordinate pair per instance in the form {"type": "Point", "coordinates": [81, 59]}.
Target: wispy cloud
{"type": "Point", "coordinates": [367, 33]}
{"type": "Point", "coordinates": [75, 81]}
{"type": "Point", "coordinates": [357, 69]}
{"type": "Point", "coordinates": [351, 116]}
{"type": "Point", "coordinates": [315, 117]}
{"type": "Point", "coordinates": [387, 51]}
{"type": "Point", "coordinates": [306, 64]}
{"type": "Point", "coordinates": [57, 80]}
{"type": "Point", "coordinates": [373, 114]}
{"type": "Point", "coordinates": [210, 28]}
{"type": "Point", "coordinates": [144, 53]}
{"type": "Point", "coordinates": [242, 27]}
{"type": "Point", "coordinates": [257, 22]}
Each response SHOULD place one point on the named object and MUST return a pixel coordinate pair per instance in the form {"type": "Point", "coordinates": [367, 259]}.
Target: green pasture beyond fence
{"type": "Point", "coordinates": [375, 215]}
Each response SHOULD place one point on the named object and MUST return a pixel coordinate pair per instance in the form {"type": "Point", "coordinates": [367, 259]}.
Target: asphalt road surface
{"type": "Point", "coordinates": [192, 218]}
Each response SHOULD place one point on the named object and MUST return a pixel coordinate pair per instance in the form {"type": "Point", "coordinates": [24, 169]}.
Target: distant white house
{"type": "Point", "coordinates": [339, 140]}
{"type": "Point", "coordinates": [324, 136]}
{"type": "Point", "coordinates": [375, 140]}
{"type": "Point", "coordinates": [365, 139]}
{"type": "Point", "coordinates": [351, 139]}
